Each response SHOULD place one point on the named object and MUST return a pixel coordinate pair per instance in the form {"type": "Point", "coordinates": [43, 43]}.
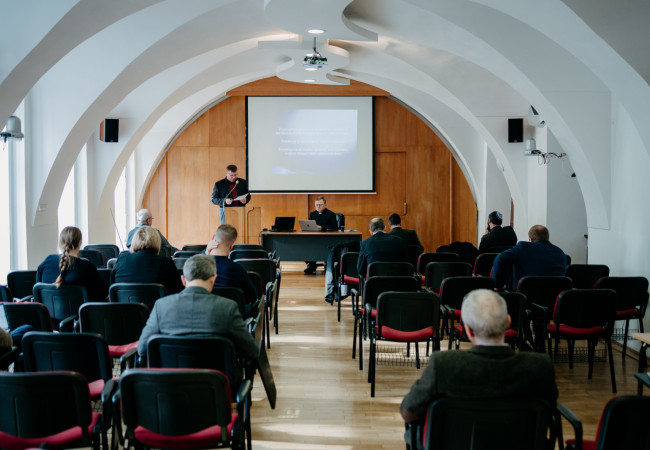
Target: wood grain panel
{"type": "Point", "coordinates": [275, 86]}
{"type": "Point", "coordinates": [464, 207]}
{"type": "Point", "coordinates": [228, 126]}
{"type": "Point", "coordinates": [395, 126]}
{"type": "Point", "coordinates": [155, 199]}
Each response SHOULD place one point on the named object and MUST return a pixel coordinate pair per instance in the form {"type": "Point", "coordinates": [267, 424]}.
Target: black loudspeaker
{"type": "Point", "coordinates": [515, 130]}
{"type": "Point", "coordinates": [109, 129]}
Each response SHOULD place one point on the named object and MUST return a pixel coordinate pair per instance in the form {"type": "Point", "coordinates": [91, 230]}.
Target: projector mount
{"type": "Point", "coordinates": [314, 60]}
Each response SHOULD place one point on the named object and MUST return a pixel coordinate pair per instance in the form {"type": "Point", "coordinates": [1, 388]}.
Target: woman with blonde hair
{"type": "Point", "coordinates": [69, 268]}
{"type": "Point", "coordinates": [143, 264]}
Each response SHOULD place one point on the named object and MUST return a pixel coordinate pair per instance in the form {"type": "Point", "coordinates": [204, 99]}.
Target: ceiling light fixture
{"type": "Point", "coordinates": [316, 31]}
{"type": "Point", "coordinates": [310, 81]}
{"type": "Point", "coordinates": [314, 60]}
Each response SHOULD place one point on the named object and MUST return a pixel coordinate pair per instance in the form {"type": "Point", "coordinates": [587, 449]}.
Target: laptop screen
{"type": "Point", "coordinates": [284, 223]}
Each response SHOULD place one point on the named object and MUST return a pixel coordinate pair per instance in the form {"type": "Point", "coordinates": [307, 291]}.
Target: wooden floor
{"type": "Point", "coordinates": [324, 399]}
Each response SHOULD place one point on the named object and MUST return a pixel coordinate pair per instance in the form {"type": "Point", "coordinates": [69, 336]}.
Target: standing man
{"type": "Point", "coordinates": [410, 236]}
{"type": "Point", "coordinates": [537, 257]}
{"type": "Point", "coordinates": [380, 247]}
{"type": "Point", "coordinates": [497, 238]}
{"type": "Point", "coordinates": [231, 191]}
{"type": "Point", "coordinates": [145, 219]}
{"type": "Point", "coordinates": [326, 220]}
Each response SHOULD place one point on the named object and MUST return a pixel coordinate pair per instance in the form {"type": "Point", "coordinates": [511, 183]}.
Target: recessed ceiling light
{"type": "Point", "coordinates": [311, 68]}
{"type": "Point", "coordinates": [316, 31]}
{"type": "Point", "coordinates": [310, 81]}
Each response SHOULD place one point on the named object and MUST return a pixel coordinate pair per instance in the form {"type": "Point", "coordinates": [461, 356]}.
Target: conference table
{"type": "Point", "coordinates": [305, 245]}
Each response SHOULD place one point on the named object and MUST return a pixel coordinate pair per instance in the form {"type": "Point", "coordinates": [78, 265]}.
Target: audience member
{"type": "Point", "coordinates": [335, 256]}
{"type": "Point", "coordinates": [143, 264]}
{"type": "Point", "coordinates": [410, 236]}
{"type": "Point", "coordinates": [490, 369]}
{"type": "Point", "coordinates": [145, 220]}
{"type": "Point", "coordinates": [229, 273]}
{"type": "Point", "coordinates": [326, 221]}
{"type": "Point", "coordinates": [497, 238]}
{"type": "Point", "coordinates": [537, 257]}
{"type": "Point", "coordinates": [380, 246]}
{"type": "Point", "coordinates": [196, 311]}
{"type": "Point", "coordinates": [69, 268]}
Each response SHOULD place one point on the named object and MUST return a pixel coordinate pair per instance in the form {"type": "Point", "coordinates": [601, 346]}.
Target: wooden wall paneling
{"type": "Point", "coordinates": [188, 188]}
{"type": "Point", "coordinates": [196, 134]}
{"type": "Point", "coordinates": [155, 198]}
{"type": "Point", "coordinates": [464, 207]}
{"type": "Point", "coordinates": [228, 127]}
{"type": "Point", "coordinates": [394, 125]}
{"type": "Point", "coordinates": [274, 86]}
{"type": "Point", "coordinates": [254, 226]}
{"type": "Point", "coordinates": [275, 205]}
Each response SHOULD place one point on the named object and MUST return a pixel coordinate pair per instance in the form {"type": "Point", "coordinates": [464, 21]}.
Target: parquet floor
{"type": "Point", "coordinates": [324, 399]}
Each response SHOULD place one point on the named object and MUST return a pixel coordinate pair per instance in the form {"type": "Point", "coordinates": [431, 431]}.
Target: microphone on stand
{"type": "Point", "coordinates": [233, 188]}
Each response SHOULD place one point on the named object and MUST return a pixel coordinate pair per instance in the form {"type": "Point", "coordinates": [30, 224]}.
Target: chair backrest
{"type": "Point", "coordinates": [28, 313]}
{"type": "Point", "coordinates": [374, 286]}
{"type": "Point", "coordinates": [256, 278]}
{"type": "Point", "coordinates": [413, 253]}
{"type": "Point", "coordinates": [408, 312]}
{"type": "Point", "coordinates": [86, 353]}
{"type": "Point", "coordinates": [247, 247]}
{"type": "Point", "coordinates": [36, 405]}
{"type": "Point", "coordinates": [454, 289]}
{"type": "Point", "coordinates": [624, 424]}
{"type": "Point", "coordinates": [349, 264]}
{"type": "Point", "coordinates": [586, 308]}
{"type": "Point", "coordinates": [425, 258]}
{"type": "Point", "coordinates": [389, 268]}
{"type": "Point", "coordinates": [632, 292]}
{"type": "Point", "coordinates": [253, 253]}
{"type": "Point", "coordinates": [233, 293]}
{"type": "Point", "coordinates": [105, 275]}
{"type": "Point", "coordinates": [185, 253]}
{"type": "Point", "coordinates": [179, 263]}
{"type": "Point", "coordinates": [5, 294]}
{"type": "Point", "coordinates": [435, 272]}
{"type": "Point", "coordinates": [194, 247]}
{"type": "Point", "coordinates": [266, 268]}
{"type": "Point", "coordinates": [506, 424]}
{"type": "Point", "coordinates": [483, 264]}
{"type": "Point", "coordinates": [108, 251]}
{"type": "Point", "coordinates": [118, 323]}
{"type": "Point", "coordinates": [194, 352]}
{"type": "Point", "coordinates": [93, 256]}
{"type": "Point", "coordinates": [543, 290]}
{"type": "Point", "coordinates": [110, 264]}
{"type": "Point", "coordinates": [146, 293]}
{"type": "Point", "coordinates": [516, 303]}
{"type": "Point", "coordinates": [340, 220]}
{"type": "Point", "coordinates": [584, 276]}
{"type": "Point", "coordinates": [61, 301]}
{"type": "Point", "coordinates": [21, 282]}
{"type": "Point", "coordinates": [195, 399]}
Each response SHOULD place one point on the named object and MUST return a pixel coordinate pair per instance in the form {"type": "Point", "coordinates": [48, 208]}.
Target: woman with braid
{"type": "Point", "coordinates": [69, 268]}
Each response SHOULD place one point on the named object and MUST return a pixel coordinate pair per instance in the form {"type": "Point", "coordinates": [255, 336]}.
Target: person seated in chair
{"type": "Point", "coordinates": [229, 273]}
{"type": "Point", "coordinates": [196, 311]}
{"type": "Point", "coordinates": [490, 369]}
{"type": "Point", "coordinates": [410, 236]}
{"type": "Point", "coordinates": [145, 219]}
{"type": "Point", "coordinates": [380, 246]}
{"type": "Point", "coordinates": [497, 238]}
{"type": "Point", "coordinates": [326, 221]}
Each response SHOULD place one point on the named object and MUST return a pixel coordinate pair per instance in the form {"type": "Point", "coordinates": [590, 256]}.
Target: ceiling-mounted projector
{"type": "Point", "coordinates": [534, 118]}
{"type": "Point", "coordinates": [315, 61]}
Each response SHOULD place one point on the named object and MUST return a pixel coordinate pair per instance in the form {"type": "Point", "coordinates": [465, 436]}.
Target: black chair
{"type": "Point", "coordinates": [108, 251]}
{"type": "Point", "coordinates": [120, 324]}
{"type": "Point", "coordinates": [438, 271]}
{"type": "Point", "coordinates": [8, 357]}
{"type": "Point", "coordinates": [425, 258]}
{"type": "Point", "coordinates": [85, 353]}
{"type": "Point", "coordinates": [340, 221]}
{"type": "Point", "coordinates": [195, 414]}
{"type": "Point", "coordinates": [185, 253]}
{"type": "Point", "coordinates": [506, 424]}
{"type": "Point", "coordinates": [404, 317]}
{"type": "Point", "coordinates": [347, 277]}
{"type": "Point", "coordinates": [270, 273]}
{"type": "Point", "coordinates": [413, 253]}
{"type": "Point", "coordinates": [587, 314]}
{"type": "Point", "coordinates": [5, 294]}
{"type": "Point", "coordinates": [623, 425]}
{"type": "Point", "coordinates": [584, 276]}
{"type": "Point", "coordinates": [516, 303]}
{"type": "Point", "coordinates": [21, 282]}
{"type": "Point", "coordinates": [389, 269]}
{"type": "Point", "coordinates": [631, 299]}
{"type": "Point", "coordinates": [235, 294]}
{"type": "Point", "coordinates": [28, 313]}
{"type": "Point", "coordinates": [179, 263]}
{"type": "Point", "coordinates": [62, 302]}
{"type": "Point", "coordinates": [194, 247]}
{"type": "Point", "coordinates": [483, 264]}
{"type": "Point", "coordinates": [541, 293]}
{"type": "Point", "coordinates": [94, 256]}
{"type": "Point", "coordinates": [105, 275]}
{"type": "Point", "coordinates": [46, 410]}
{"type": "Point", "coordinates": [251, 253]}
{"type": "Point", "coordinates": [247, 247]}
{"type": "Point", "coordinates": [146, 293]}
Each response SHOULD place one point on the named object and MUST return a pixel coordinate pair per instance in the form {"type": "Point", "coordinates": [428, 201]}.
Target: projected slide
{"type": "Point", "coordinates": [309, 144]}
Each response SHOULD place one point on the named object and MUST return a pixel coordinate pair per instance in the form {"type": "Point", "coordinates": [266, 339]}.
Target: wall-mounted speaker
{"type": "Point", "coordinates": [109, 129]}
{"type": "Point", "coordinates": [516, 130]}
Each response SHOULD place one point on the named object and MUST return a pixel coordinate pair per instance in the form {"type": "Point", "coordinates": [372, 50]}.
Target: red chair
{"type": "Point", "coordinates": [425, 258]}
{"type": "Point", "coordinates": [347, 277]}
{"type": "Point", "coordinates": [585, 314]}
{"type": "Point", "coordinates": [46, 409]}
{"type": "Point", "coordinates": [631, 301]}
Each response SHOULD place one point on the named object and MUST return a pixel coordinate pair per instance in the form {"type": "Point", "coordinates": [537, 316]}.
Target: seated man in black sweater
{"type": "Point", "coordinates": [497, 238]}
{"type": "Point", "coordinates": [326, 221]}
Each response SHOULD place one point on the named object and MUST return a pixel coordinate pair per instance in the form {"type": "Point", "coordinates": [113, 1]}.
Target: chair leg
{"type": "Point", "coordinates": [275, 316]}
{"type": "Point", "coordinates": [450, 333]}
{"type": "Point", "coordinates": [570, 347]}
{"type": "Point", "coordinates": [408, 349]}
{"type": "Point", "coordinates": [372, 366]}
{"type": "Point", "coordinates": [268, 329]}
{"type": "Point", "coordinates": [627, 328]}
{"type": "Point", "coordinates": [354, 336]}
{"type": "Point", "coordinates": [361, 328]}
{"type": "Point", "coordinates": [338, 306]}
{"type": "Point", "coordinates": [417, 355]}
{"type": "Point", "coordinates": [591, 349]}
{"type": "Point", "coordinates": [611, 364]}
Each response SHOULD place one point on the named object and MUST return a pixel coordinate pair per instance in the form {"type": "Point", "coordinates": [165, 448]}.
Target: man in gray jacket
{"type": "Point", "coordinates": [195, 311]}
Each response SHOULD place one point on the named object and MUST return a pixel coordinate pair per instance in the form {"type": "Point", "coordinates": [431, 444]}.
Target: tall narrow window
{"type": "Point", "coordinates": [67, 203]}
{"type": "Point", "coordinates": [5, 249]}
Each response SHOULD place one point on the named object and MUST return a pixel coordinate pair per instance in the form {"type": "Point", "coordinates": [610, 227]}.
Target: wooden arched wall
{"type": "Point", "coordinates": [415, 175]}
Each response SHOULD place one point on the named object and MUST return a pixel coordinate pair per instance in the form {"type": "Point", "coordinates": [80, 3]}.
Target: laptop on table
{"type": "Point", "coordinates": [284, 224]}
{"type": "Point", "coordinates": [308, 225]}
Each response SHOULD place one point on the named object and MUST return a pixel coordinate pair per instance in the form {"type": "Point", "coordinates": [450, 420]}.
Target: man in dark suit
{"type": "Point", "coordinates": [326, 221]}
{"type": "Point", "coordinates": [410, 236]}
{"type": "Point", "coordinates": [537, 257]}
{"type": "Point", "coordinates": [490, 369]}
{"type": "Point", "coordinates": [231, 191]}
{"type": "Point", "coordinates": [195, 311]}
{"type": "Point", "coordinates": [497, 238]}
{"type": "Point", "coordinates": [380, 246]}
